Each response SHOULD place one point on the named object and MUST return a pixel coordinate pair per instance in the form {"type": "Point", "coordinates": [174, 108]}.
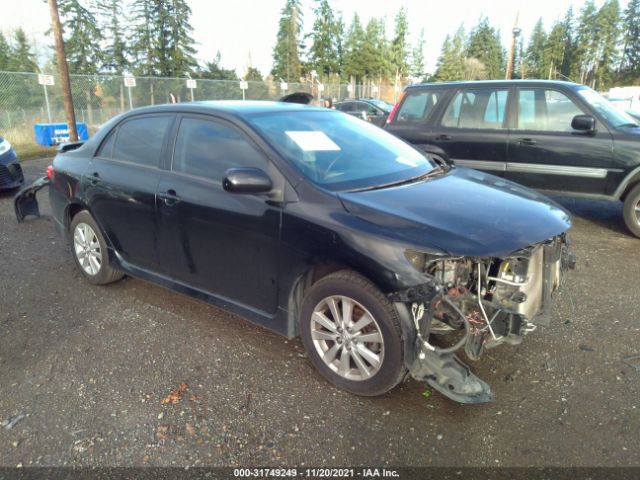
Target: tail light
{"type": "Point", "coordinates": [50, 172]}
{"type": "Point", "coordinates": [395, 109]}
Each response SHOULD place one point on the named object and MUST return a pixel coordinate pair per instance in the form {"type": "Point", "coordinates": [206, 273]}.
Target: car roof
{"type": "Point", "coordinates": [496, 83]}
{"type": "Point", "coordinates": [239, 108]}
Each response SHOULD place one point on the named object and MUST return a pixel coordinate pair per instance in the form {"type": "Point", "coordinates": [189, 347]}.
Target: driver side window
{"type": "Point", "coordinates": [545, 110]}
{"type": "Point", "coordinates": [207, 148]}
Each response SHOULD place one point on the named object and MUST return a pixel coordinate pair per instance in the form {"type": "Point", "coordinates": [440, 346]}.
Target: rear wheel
{"type": "Point", "coordinates": [352, 334]}
{"type": "Point", "coordinates": [631, 210]}
{"type": "Point", "coordinates": [89, 250]}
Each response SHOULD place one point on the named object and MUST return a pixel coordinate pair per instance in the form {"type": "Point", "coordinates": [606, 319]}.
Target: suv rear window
{"type": "Point", "coordinates": [417, 106]}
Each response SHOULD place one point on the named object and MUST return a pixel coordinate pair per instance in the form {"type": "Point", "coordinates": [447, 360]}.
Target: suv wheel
{"type": "Point", "coordinates": [352, 334]}
{"type": "Point", "coordinates": [90, 250]}
{"type": "Point", "coordinates": [631, 210]}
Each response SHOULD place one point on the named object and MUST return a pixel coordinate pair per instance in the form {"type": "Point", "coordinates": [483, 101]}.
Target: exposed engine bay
{"type": "Point", "coordinates": [474, 304]}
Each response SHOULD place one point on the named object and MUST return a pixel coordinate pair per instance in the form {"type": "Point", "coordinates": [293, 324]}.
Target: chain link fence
{"type": "Point", "coordinates": [97, 98]}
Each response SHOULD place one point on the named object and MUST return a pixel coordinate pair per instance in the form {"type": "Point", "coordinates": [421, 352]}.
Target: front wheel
{"type": "Point", "coordinates": [89, 250]}
{"type": "Point", "coordinates": [631, 210]}
{"type": "Point", "coordinates": [352, 334]}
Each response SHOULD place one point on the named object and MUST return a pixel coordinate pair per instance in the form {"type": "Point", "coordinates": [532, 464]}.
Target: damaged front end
{"type": "Point", "coordinates": [474, 304]}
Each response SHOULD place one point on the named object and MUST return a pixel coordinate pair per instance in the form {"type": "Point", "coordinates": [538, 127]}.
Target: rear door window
{"type": "Point", "coordinates": [140, 140]}
{"type": "Point", "coordinates": [418, 106]}
{"type": "Point", "coordinates": [477, 108]}
{"type": "Point", "coordinates": [207, 148]}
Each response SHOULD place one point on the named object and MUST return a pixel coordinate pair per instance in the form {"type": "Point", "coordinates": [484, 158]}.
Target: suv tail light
{"type": "Point", "coordinates": [395, 109]}
{"type": "Point", "coordinates": [50, 172]}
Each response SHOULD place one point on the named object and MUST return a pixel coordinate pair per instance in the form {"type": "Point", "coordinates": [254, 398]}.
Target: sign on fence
{"type": "Point", "coordinates": [284, 86]}
{"type": "Point", "coordinates": [191, 83]}
{"type": "Point", "coordinates": [129, 82]}
{"type": "Point", "coordinates": [244, 85]}
{"type": "Point", "coordinates": [45, 79]}
{"type": "Point", "coordinates": [321, 87]}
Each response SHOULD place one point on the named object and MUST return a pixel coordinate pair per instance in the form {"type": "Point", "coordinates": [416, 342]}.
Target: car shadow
{"type": "Point", "coordinates": [607, 214]}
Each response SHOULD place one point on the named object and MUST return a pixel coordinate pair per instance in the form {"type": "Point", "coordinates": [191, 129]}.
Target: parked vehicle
{"type": "Point", "coordinates": [311, 222]}
{"type": "Point", "coordinates": [553, 136]}
{"type": "Point", "coordinates": [635, 114]}
{"type": "Point", "coordinates": [10, 169]}
{"type": "Point", "coordinates": [627, 98]}
{"type": "Point", "coordinates": [372, 110]}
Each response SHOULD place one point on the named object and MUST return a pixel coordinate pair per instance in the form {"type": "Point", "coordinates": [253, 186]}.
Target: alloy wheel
{"type": "Point", "coordinates": [87, 249]}
{"type": "Point", "coordinates": [347, 338]}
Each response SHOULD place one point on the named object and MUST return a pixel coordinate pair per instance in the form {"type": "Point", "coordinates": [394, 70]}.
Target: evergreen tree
{"type": "Point", "coordinates": [82, 36]}
{"type": "Point", "coordinates": [451, 63]}
{"type": "Point", "coordinates": [417, 58]}
{"type": "Point", "coordinates": [534, 61]}
{"type": "Point", "coordinates": [21, 58]}
{"type": "Point", "coordinates": [5, 53]}
{"type": "Point", "coordinates": [142, 42]}
{"type": "Point", "coordinates": [325, 37]}
{"type": "Point", "coordinates": [214, 71]}
{"type": "Point", "coordinates": [181, 44]}
{"type": "Point", "coordinates": [161, 43]}
{"type": "Point", "coordinates": [630, 64]}
{"type": "Point", "coordinates": [353, 64]}
{"type": "Point", "coordinates": [586, 43]}
{"type": "Point", "coordinates": [553, 52]}
{"type": "Point", "coordinates": [115, 51]}
{"type": "Point", "coordinates": [399, 45]}
{"type": "Point", "coordinates": [374, 53]}
{"type": "Point", "coordinates": [608, 28]}
{"type": "Point", "coordinates": [253, 75]}
{"type": "Point", "coordinates": [286, 53]}
{"type": "Point", "coordinates": [568, 60]}
{"type": "Point", "coordinates": [485, 45]}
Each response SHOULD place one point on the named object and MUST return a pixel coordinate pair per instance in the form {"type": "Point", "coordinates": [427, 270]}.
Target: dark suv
{"type": "Point", "coordinates": [559, 137]}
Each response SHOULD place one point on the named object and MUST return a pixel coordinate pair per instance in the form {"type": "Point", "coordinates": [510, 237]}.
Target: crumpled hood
{"type": "Point", "coordinates": [461, 212]}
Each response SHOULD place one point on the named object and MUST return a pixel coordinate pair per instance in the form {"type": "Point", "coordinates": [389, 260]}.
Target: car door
{"type": "Point", "coordinates": [222, 243]}
{"type": "Point", "coordinates": [546, 153]}
{"type": "Point", "coordinates": [473, 128]}
{"type": "Point", "coordinates": [120, 186]}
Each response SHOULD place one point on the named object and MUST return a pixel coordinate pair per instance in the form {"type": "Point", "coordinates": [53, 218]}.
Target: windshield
{"type": "Point", "coordinates": [614, 115]}
{"type": "Point", "coordinates": [339, 151]}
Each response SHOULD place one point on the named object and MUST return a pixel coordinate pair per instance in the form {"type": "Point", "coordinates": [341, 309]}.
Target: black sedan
{"type": "Point", "coordinates": [372, 110]}
{"type": "Point", "coordinates": [10, 170]}
{"type": "Point", "coordinates": [311, 222]}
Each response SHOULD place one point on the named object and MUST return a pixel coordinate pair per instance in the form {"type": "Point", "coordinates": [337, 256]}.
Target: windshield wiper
{"type": "Point", "coordinates": [629, 125]}
{"type": "Point", "coordinates": [436, 170]}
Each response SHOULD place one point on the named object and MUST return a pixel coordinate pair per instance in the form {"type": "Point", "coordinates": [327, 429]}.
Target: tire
{"type": "Point", "coordinates": [89, 250]}
{"type": "Point", "coordinates": [631, 210]}
{"type": "Point", "coordinates": [351, 361]}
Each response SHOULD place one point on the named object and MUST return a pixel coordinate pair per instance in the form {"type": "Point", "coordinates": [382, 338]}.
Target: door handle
{"type": "Point", "coordinates": [94, 178]}
{"type": "Point", "coordinates": [527, 141]}
{"type": "Point", "coordinates": [169, 197]}
{"type": "Point", "coordinates": [443, 137]}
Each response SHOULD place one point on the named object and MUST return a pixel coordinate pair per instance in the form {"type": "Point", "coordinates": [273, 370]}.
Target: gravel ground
{"type": "Point", "coordinates": [89, 366]}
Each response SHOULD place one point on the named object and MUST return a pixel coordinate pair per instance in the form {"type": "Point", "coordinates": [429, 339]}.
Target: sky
{"type": "Point", "coordinates": [244, 31]}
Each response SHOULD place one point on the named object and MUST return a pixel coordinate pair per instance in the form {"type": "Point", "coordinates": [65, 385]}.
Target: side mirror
{"type": "Point", "coordinates": [584, 123]}
{"type": "Point", "coordinates": [246, 180]}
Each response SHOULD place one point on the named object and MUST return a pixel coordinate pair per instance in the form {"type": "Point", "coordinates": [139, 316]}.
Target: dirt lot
{"type": "Point", "coordinates": [89, 367]}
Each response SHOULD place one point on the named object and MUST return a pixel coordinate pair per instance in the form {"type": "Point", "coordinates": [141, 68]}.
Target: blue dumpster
{"type": "Point", "coordinates": [48, 134]}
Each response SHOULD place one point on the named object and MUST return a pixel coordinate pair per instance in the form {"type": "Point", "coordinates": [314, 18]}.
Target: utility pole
{"type": "Point", "coordinates": [512, 51]}
{"type": "Point", "coordinates": [64, 70]}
